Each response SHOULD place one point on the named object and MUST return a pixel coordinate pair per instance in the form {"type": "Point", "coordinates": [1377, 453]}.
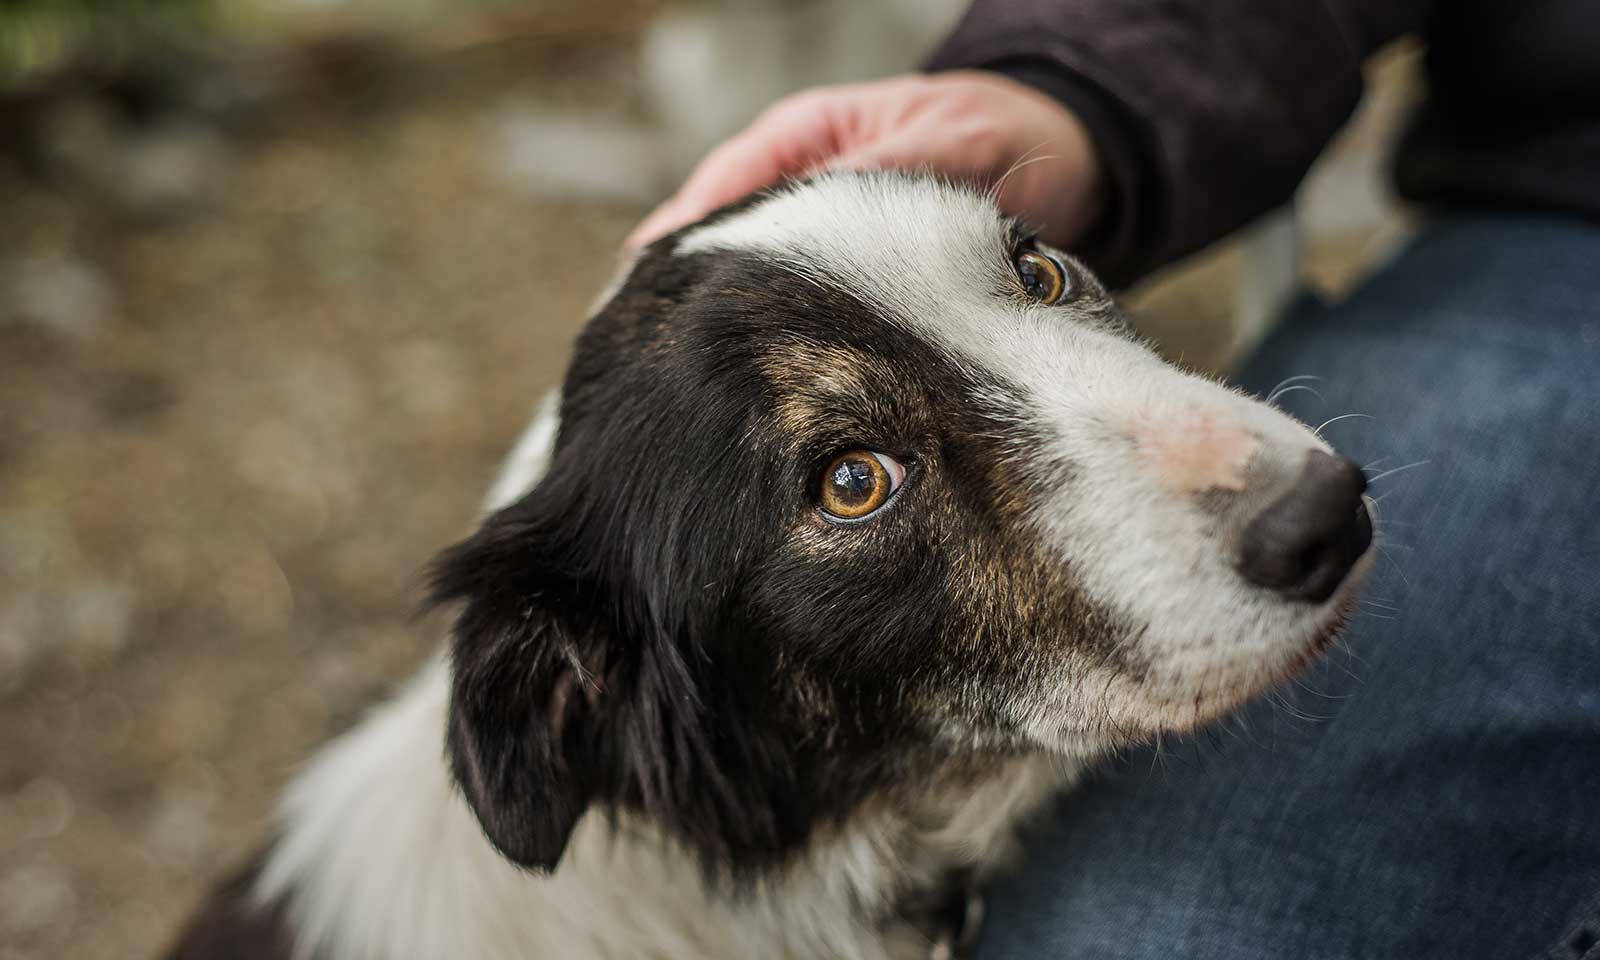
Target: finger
{"type": "Point", "coordinates": [1044, 187]}
{"type": "Point", "coordinates": [738, 167]}
{"type": "Point", "coordinates": [734, 169]}
{"type": "Point", "coordinates": [909, 153]}
{"type": "Point", "coordinates": [661, 221]}
{"type": "Point", "coordinates": [784, 141]}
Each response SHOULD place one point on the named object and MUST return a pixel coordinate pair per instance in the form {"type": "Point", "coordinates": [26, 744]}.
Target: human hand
{"type": "Point", "coordinates": [971, 125]}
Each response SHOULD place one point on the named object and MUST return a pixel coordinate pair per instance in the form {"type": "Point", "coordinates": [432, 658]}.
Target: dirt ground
{"type": "Point", "coordinates": [238, 414]}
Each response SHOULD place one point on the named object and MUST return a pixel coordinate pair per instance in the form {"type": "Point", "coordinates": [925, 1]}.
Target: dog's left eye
{"type": "Point", "coordinates": [859, 482]}
{"type": "Point", "coordinates": [1042, 278]}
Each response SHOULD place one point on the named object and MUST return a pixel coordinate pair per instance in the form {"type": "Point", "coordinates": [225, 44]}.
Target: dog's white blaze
{"type": "Point", "coordinates": [932, 259]}
{"type": "Point", "coordinates": [379, 857]}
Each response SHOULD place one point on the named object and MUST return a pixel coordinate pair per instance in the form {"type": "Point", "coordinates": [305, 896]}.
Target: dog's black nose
{"type": "Point", "coordinates": [1306, 541]}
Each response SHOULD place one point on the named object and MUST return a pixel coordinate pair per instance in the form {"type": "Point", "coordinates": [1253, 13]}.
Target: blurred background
{"type": "Point", "coordinates": [280, 281]}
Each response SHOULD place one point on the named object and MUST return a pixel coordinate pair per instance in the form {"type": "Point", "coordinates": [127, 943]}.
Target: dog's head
{"type": "Point", "coordinates": [853, 482]}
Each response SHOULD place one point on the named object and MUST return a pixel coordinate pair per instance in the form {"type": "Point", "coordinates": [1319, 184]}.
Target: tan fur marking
{"type": "Point", "coordinates": [810, 378]}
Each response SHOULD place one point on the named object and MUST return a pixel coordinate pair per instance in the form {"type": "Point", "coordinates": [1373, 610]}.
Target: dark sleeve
{"type": "Point", "coordinates": [1206, 113]}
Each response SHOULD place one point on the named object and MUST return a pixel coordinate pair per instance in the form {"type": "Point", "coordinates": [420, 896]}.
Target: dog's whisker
{"type": "Point", "coordinates": [1308, 688]}
{"type": "Point", "coordinates": [1017, 164]}
{"type": "Point", "coordinates": [1287, 706]}
{"type": "Point", "coordinates": [1347, 416]}
{"type": "Point", "coordinates": [1345, 653]}
{"type": "Point", "coordinates": [1280, 394]}
{"type": "Point", "coordinates": [1398, 569]}
{"type": "Point", "coordinates": [1157, 757]}
{"type": "Point", "coordinates": [1394, 470]}
{"type": "Point", "coordinates": [1000, 184]}
{"type": "Point", "coordinates": [1276, 391]}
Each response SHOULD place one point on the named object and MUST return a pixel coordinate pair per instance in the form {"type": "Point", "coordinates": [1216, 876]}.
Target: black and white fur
{"type": "Point", "coordinates": [685, 715]}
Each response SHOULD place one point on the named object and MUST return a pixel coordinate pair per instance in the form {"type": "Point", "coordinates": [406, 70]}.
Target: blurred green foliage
{"type": "Point", "coordinates": [36, 35]}
{"type": "Point", "coordinates": [39, 35]}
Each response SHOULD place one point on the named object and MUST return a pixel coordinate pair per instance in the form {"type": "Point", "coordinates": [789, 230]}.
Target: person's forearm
{"type": "Point", "coordinates": [1206, 113]}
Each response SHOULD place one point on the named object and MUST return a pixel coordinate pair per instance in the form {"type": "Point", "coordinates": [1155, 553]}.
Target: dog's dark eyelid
{"type": "Point", "coordinates": [1019, 240]}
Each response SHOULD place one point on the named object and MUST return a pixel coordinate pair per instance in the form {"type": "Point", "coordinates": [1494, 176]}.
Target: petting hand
{"type": "Point", "coordinates": [972, 126]}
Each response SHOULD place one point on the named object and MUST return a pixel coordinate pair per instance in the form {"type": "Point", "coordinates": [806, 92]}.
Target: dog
{"type": "Point", "coordinates": [863, 524]}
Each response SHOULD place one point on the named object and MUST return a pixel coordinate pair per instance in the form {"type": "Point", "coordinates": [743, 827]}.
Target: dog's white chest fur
{"type": "Point", "coordinates": [380, 858]}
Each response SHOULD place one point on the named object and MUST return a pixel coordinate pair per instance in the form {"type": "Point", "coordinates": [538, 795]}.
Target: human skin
{"type": "Point", "coordinates": [967, 125]}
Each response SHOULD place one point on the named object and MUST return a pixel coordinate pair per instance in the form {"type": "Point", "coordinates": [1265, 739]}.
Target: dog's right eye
{"type": "Point", "coordinates": [857, 483]}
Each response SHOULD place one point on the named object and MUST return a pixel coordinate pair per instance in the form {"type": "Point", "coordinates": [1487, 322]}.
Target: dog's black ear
{"type": "Point", "coordinates": [528, 694]}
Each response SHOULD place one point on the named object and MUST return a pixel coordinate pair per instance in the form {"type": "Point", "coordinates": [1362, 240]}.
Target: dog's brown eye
{"type": "Point", "coordinates": [1042, 278]}
{"type": "Point", "coordinates": [859, 482]}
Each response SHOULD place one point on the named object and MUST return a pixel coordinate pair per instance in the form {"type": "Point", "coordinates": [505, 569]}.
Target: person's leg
{"type": "Point", "coordinates": [1432, 789]}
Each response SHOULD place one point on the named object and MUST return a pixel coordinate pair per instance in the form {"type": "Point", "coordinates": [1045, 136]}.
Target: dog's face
{"type": "Point", "coordinates": [854, 483]}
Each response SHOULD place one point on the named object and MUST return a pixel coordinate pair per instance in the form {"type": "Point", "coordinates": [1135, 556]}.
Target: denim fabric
{"type": "Point", "coordinates": [1433, 788]}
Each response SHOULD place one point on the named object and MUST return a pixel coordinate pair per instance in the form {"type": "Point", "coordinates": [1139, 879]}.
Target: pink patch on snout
{"type": "Point", "coordinates": [1195, 453]}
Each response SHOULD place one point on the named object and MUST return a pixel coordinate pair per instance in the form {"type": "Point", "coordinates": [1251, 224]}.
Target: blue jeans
{"type": "Point", "coordinates": [1433, 788]}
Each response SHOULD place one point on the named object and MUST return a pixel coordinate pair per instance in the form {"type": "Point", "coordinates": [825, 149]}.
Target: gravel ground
{"type": "Point", "coordinates": [231, 438]}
